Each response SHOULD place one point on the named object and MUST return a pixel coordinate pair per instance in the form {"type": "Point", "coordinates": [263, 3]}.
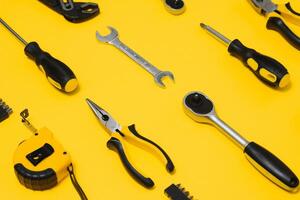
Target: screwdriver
{"type": "Point", "coordinates": [57, 73]}
{"type": "Point", "coordinates": [267, 69]}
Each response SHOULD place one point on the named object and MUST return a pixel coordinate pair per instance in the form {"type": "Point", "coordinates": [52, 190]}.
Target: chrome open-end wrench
{"type": "Point", "coordinates": [201, 109]}
{"type": "Point", "coordinates": [113, 39]}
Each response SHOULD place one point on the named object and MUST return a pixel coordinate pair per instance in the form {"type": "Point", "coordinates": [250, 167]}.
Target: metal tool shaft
{"type": "Point", "coordinates": [136, 57]}
{"type": "Point", "coordinates": [232, 134]}
{"type": "Point", "coordinates": [13, 32]}
{"type": "Point", "coordinates": [216, 33]}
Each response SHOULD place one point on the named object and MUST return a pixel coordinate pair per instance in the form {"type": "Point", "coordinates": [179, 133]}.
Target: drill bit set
{"type": "Point", "coordinates": [5, 110]}
{"type": "Point", "coordinates": [177, 192]}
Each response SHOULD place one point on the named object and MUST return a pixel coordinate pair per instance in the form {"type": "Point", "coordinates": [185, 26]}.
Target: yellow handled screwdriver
{"type": "Point", "coordinates": [267, 69]}
{"type": "Point", "coordinates": [57, 73]}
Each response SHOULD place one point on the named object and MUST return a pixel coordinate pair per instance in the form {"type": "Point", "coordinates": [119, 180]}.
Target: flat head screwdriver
{"type": "Point", "coordinates": [57, 73]}
{"type": "Point", "coordinates": [267, 69]}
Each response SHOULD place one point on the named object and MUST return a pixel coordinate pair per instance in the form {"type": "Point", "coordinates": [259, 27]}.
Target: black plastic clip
{"type": "Point", "coordinates": [73, 11]}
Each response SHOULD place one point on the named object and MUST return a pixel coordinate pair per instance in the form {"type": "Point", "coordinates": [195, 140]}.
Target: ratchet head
{"type": "Point", "coordinates": [199, 107]}
{"type": "Point", "coordinates": [108, 38]}
{"type": "Point", "coordinates": [159, 77]}
{"type": "Point", "coordinates": [104, 117]}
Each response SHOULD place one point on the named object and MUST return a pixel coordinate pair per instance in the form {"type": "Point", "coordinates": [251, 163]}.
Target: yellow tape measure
{"type": "Point", "coordinates": [41, 162]}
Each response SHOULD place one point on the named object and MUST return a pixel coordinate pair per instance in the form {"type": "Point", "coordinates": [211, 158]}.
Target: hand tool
{"type": "Point", "coordinates": [265, 68]}
{"type": "Point", "coordinates": [113, 39]}
{"type": "Point", "coordinates": [177, 192]}
{"type": "Point", "coordinates": [277, 15]}
{"type": "Point", "coordinates": [40, 162]}
{"type": "Point", "coordinates": [175, 7]}
{"type": "Point", "coordinates": [201, 109]}
{"type": "Point", "coordinates": [115, 144]}
{"type": "Point", "coordinates": [5, 111]}
{"type": "Point", "coordinates": [57, 73]}
{"type": "Point", "coordinates": [73, 12]}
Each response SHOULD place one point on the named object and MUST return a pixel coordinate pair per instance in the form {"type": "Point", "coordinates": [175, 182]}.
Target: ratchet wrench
{"type": "Point", "coordinates": [201, 109]}
{"type": "Point", "coordinates": [113, 39]}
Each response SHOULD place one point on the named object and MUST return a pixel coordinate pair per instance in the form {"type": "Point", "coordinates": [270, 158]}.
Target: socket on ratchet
{"type": "Point", "coordinates": [113, 39]}
{"type": "Point", "coordinates": [201, 109]}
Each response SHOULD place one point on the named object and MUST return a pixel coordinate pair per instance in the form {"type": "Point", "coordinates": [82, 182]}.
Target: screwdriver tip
{"type": "Point", "coordinates": [203, 25]}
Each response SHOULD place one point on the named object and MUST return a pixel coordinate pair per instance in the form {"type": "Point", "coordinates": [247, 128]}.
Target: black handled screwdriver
{"type": "Point", "coordinates": [267, 69]}
{"type": "Point", "coordinates": [57, 73]}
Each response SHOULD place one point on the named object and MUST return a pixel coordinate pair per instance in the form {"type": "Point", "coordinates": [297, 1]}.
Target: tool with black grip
{"type": "Point", "coordinates": [5, 111]}
{"type": "Point", "coordinates": [114, 143]}
{"type": "Point", "coordinates": [57, 73]}
{"type": "Point", "coordinates": [73, 11]}
{"type": "Point", "coordinates": [267, 69]}
{"type": "Point", "coordinates": [201, 109]}
{"type": "Point", "coordinates": [278, 15]}
{"type": "Point", "coordinates": [177, 192]}
{"type": "Point", "coordinates": [175, 7]}
{"type": "Point", "coordinates": [40, 162]}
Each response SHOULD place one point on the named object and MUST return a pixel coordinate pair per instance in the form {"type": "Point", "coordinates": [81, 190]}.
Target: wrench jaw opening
{"type": "Point", "coordinates": [108, 38]}
{"type": "Point", "coordinates": [161, 75]}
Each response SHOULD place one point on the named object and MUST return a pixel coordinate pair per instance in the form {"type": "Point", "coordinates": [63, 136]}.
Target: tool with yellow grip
{"type": "Point", "coordinates": [175, 7]}
{"type": "Point", "coordinates": [265, 68]}
{"type": "Point", "coordinates": [58, 74]}
{"type": "Point", "coordinates": [40, 162]}
{"type": "Point", "coordinates": [115, 144]}
{"type": "Point", "coordinates": [278, 15]}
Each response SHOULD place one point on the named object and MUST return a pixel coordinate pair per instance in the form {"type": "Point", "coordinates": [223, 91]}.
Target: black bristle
{"type": "Point", "coordinates": [176, 192]}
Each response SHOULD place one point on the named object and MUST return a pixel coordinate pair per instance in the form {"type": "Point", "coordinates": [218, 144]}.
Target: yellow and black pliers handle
{"type": "Point", "coordinates": [115, 144]}
{"type": "Point", "coordinates": [278, 15]}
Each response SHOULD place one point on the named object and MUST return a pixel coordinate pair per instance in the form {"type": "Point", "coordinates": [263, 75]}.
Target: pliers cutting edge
{"type": "Point", "coordinates": [73, 11]}
{"type": "Point", "coordinates": [277, 15]}
{"type": "Point", "coordinates": [114, 143]}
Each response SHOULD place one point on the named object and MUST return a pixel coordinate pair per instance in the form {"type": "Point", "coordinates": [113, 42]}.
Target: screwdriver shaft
{"type": "Point", "coordinates": [13, 32]}
{"type": "Point", "coordinates": [216, 33]}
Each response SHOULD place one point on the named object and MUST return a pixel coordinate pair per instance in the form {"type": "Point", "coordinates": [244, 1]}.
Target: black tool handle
{"type": "Point", "coordinates": [115, 144]}
{"type": "Point", "coordinates": [271, 166]}
{"type": "Point", "coordinates": [57, 73]}
{"type": "Point", "coordinates": [277, 24]}
{"type": "Point", "coordinates": [170, 165]}
{"type": "Point", "coordinates": [265, 68]}
{"type": "Point", "coordinates": [79, 11]}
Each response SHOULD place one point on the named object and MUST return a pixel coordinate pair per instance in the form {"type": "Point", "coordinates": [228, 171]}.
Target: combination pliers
{"type": "Point", "coordinates": [278, 15]}
{"type": "Point", "coordinates": [113, 127]}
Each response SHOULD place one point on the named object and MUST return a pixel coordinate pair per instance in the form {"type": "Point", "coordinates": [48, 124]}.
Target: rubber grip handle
{"type": "Point", "coordinates": [267, 69]}
{"type": "Point", "coordinates": [170, 165]}
{"type": "Point", "coordinates": [278, 25]}
{"type": "Point", "coordinates": [115, 144]}
{"type": "Point", "coordinates": [57, 73]}
{"type": "Point", "coordinates": [271, 166]}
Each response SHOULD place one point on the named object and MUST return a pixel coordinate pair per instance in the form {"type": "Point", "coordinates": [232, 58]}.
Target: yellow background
{"type": "Point", "coordinates": [207, 163]}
